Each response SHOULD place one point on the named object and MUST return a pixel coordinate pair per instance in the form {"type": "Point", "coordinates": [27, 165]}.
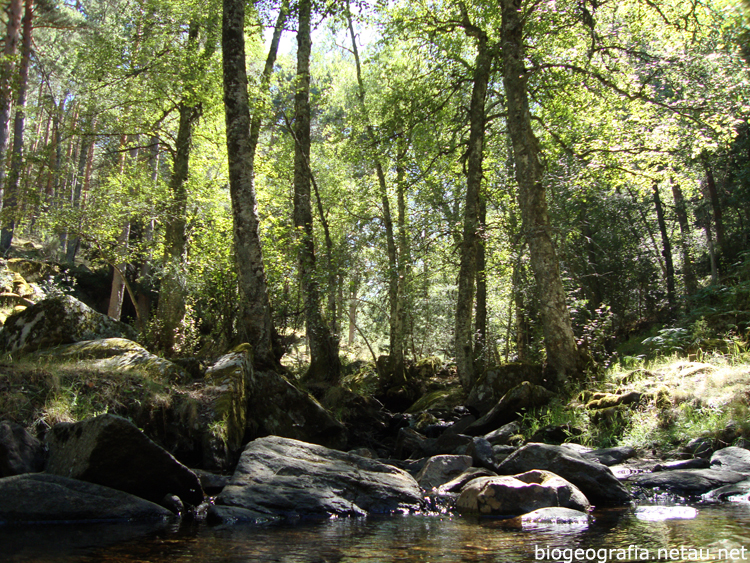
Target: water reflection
{"type": "Point", "coordinates": [408, 539]}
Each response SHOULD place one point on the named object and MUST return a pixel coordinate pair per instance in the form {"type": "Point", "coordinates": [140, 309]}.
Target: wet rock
{"type": "Point", "coordinates": [212, 483]}
{"type": "Point", "coordinates": [611, 456]}
{"type": "Point", "coordinates": [661, 513]}
{"type": "Point", "coordinates": [227, 515]}
{"type": "Point", "coordinates": [277, 407]}
{"type": "Point", "coordinates": [109, 450]}
{"type": "Point", "coordinates": [173, 504]}
{"type": "Point", "coordinates": [20, 452]}
{"type": "Point", "coordinates": [282, 477]}
{"type": "Point", "coordinates": [739, 490]}
{"type": "Point", "coordinates": [507, 409]}
{"type": "Point", "coordinates": [687, 482]}
{"type": "Point", "coordinates": [58, 320]}
{"type": "Point", "coordinates": [43, 498]}
{"type": "Point", "coordinates": [595, 480]}
{"type": "Point", "coordinates": [732, 458]}
{"type": "Point", "coordinates": [553, 516]}
{"type": "Point", "coordinates": [520, 494]}
{"type": "Point", "coordinates": [695, 463]}
{"type": "Point", "coordinates": [457, 483]}
{"type": "Point", "coordinates": [440, 469]}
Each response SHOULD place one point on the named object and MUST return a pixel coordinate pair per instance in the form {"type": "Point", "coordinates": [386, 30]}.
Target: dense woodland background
{"type": "Point", "coordinates": [476, 179]}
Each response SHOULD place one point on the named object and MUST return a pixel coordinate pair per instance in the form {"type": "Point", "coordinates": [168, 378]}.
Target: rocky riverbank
{"type": "Point", "coordinates": [144, 438]}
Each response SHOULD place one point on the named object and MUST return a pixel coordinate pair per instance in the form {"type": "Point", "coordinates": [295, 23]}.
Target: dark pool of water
{"type": "Point", "coordinates": [712, 535]}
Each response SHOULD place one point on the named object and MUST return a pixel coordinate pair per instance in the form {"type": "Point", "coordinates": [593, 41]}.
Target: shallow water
{"type": "Point", "coordinates": [711, 535]}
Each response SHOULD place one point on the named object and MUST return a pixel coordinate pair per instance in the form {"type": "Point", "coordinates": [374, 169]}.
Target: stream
{"type": "Point", "coordinates": [714, 532]}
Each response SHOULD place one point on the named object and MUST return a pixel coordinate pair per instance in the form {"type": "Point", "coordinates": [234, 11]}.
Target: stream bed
{"type": "Point", "coordinates": [719, 532]}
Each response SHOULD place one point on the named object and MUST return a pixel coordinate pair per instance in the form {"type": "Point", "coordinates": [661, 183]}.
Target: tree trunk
{"type": "Point", "coordinates": [468, 249]}
{"type": "Point", "coordinates": [563, 356]}
{"type": "Point", "coordinates": [705, 220]}
{"type": "Point", "coordinates": [85, 163]}
{"type": "Point", "coordinates": [256, 326]}
{"type": "Point", "coordinates": [682, 219]}
{"type": "Point", "coordinates": [325, 365]}
{"type": "Point", "coordinates": [713, 197]}
{"type": "Point", "coordinates": [396, 341]}
{"type": "Point", "coordinates": [666, 245]}
{"type": "Point", "coordinates": [480, 324]}
{"type": "Point", "coordinates": [399, 312]}
{"type": "Point", "coordinates": [15, 9]}
{"type": "Point", "coordinates": [353, 303]}
{"type": "Point", "coordinates": [171, 307]}
{"type": "Point", "coordinates": [10, 199]}
{"type": "Point", "coordinates": [117, 291]}
{"type": "Point", "coordinates": [146, 267]}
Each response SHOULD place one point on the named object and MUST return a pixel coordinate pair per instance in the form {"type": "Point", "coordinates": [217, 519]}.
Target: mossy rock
{"type": "Point", "coordinates": [32, 270]}
{"type": "Point", "coordinates": [363, 382]}
{"type": "Point", "coordinates": [425, 368]}
{"type": "Point", "coordinates": [609, 416]}
{"type": "Point", "coordinates": [497, 381]}
{"type": "Point", "coordinates": [439, 399]}
{"type": "Point", "coordinates": [227, 384]}
{"type": "Point", "coordinates": [58, 320]}
{"type": "Point", "coordinates": [607, 400]}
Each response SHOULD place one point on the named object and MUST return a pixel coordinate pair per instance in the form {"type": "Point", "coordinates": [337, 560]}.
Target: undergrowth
{"type": "Point", "coordinates": [40, 394]}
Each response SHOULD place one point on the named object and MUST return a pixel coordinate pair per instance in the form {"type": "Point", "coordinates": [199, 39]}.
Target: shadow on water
{"type": "Point", "coordinates": [407, 539]}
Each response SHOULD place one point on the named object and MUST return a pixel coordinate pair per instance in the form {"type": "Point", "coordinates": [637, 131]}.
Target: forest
{"type": "Point", "coordinates": [485, 182]}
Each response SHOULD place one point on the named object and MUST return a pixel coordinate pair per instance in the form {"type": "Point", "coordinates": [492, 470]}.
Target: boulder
{"type": "Point", "coordinates": [457, 483]}
{"type": "Point", "coordinates": [497, 381]}
{"type": "Point", "coordinates": [608, 400]}
{"type": "Point", "coordinates": [410, 443]}
{"type": "Point", "coordinates": [283, 477]}
{"type": "Point", "coordinates": [43, 498]}
{"type": "Point", "coordinates": [555, 434]}
{"type": "Point", "coordinates": [277, 407]}
{"type": "Point", "coordinates": [732, 458]}
{"type": "Point", "coordinates": [596, 481]}
{"type": "Point", "coordinates": [695, 463]}
{"type": "Point", "coordinates": [701, 446]}
{"type": "Point", "coordinates": [33, 271]}
{"type": "Point", "coordinates": [660, 513]}
{"type": "Point", "coordinates": [738, 491]}
{"type": "Point", "coordinates": [447, 443]}
{"type": "Point", "coordinates": [555, 517]}
{"type": "Point", "coordinates": [520, 494]}
{"type": "Point", "coordinates": [114, 354]}
{"type": "Point", "coordinates": [687, 482]}
{"type": "Point", "coordinates": [227, 378]}
{"type": "Point", "coordinates": [507, 409]}
{"type": "Point", "coordinates": [58, 320]}
{"type": "Point", "coordinates": [503, 435]}
{"type": "Point", "coordinates": [109, 450]}
{"type": "Point", "coordinates": [440, 469]}
{"type": "Point", "coordinates": [481, 453]}
{"type": "Point", "coordinates": [20, 452]}
{"type": "Point", "coordinates": [610, 456]}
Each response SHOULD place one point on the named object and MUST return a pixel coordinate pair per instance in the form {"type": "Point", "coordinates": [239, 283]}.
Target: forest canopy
{"type": "Point", "coordinates": [487, 182]}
